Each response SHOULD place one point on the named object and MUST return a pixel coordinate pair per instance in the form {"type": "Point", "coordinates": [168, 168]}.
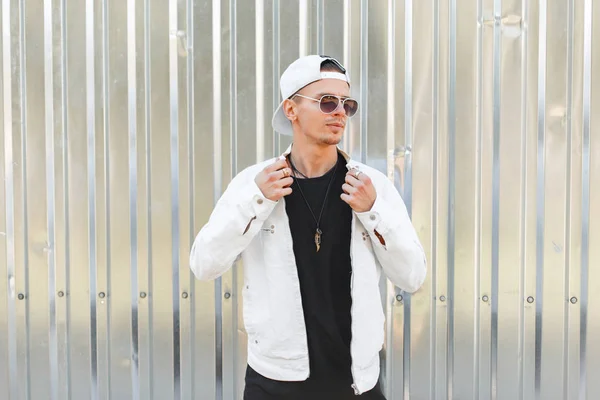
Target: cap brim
{"type": "Point", "coordinates": [280, 122]}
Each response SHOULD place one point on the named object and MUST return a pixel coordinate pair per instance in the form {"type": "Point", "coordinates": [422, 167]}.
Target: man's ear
{"type": "Point", "coordinates": [290, 109]}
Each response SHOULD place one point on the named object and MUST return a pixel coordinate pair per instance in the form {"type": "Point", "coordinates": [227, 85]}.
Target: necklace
{"type": "Point", "coordinates": [318, 231]}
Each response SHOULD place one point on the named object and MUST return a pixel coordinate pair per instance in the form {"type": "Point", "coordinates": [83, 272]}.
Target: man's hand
{"type": "Point", "coordinates": [274, 180]}
{"type": "Point", "coordinates": [359, 191]}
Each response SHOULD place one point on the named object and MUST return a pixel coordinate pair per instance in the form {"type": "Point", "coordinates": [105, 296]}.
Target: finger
{"type": "Point", "coordinates": [285, 182]}
{"type": "Point", "coordinates": [278, 164]}
{"type": "Point", "coordinates": [278, 175]}
{"type": "Point", "coordinates": [285, 191]}
{"type": "Point", "coordinates": [351, 179]}
{"type": "Point", "coordinates": [348, 189]}
{"type": "Point", "coordinates": [345, 197]}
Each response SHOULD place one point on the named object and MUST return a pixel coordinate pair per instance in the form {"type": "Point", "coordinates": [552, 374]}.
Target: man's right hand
{"type": "Point", "coordinates": [274, 181]}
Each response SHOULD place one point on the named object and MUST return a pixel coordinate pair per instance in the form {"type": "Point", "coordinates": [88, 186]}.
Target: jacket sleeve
{"type": "Point", "coordinates": [237, 217]}
{"type": "Point", "coordinates": [401, 254]}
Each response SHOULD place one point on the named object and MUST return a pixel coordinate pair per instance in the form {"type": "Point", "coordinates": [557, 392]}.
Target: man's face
{"type": "Point", "coordinates": [317, 126]}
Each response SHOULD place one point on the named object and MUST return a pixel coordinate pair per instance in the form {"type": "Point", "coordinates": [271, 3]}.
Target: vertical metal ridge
{"type": "Point", "coordinates": [541, 126]}
{"type": "Point", "coordinates": [568, 190]}
{"type": "Point", "coordinates": [523, 205]}
{"type": "Point", "coordinates": [276, 62]}
{"type": "Point", "coordinates": [191, 84]}
{"type": "Point", "coordinates": [50, 195]}
{"type": "Point", "coordinates": [217, 181]}
{"type": "Point", "coordinates": [347, 52]}
{"type": "Point", "coordinates": [451, 193]}
{"type": "Point", "coordinates": [408, 27]}
{"type": "Point", "coordinates": [133, 195]}
{"type": "Point", "coordinates": [478, 218]}
{"type": "Point", "coordinates": [391, 144]}
{"type": "Point", "coordinates": [495, 197]}
{"type": "Point", "coordinates": [233, 79]}
{"type": "Point", "coordinates": [585, 196]}
{"type": "Point", "coordinates": [434, 203]}
{"type": "Point", "coordinates": [9, 193]}
{"type": "Point", "coordinates": [364, 77]}
{"type": "Point", "coordinates": [321, 27]}
{"type": "Point", "coordinates": [303, 27]}
{"type": "Point", "coordinates": [407, 189]}
{"type": "Point", "coordinates": [25, 216]}
{"type": "Point", "coordinates": [106, 127]}
{"type": "Point", "coordinates": [148, 149]}
{"type": "Point", "coordinates": [174, 120]}
{"type": "Point", "coordinates": [91, 177]}
{"type": "Point", "coordinates": [65, 166]}
{"type": "Point", "coordinates": [260, 79]}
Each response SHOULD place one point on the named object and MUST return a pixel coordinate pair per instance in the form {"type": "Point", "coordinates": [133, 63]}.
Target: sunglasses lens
{"type": "Point", "coordinates": [351, 106]}
{"type": "Point", "coordinates": [329, 104]}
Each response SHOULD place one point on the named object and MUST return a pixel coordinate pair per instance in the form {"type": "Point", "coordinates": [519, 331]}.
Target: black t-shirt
{"type": "Point", "coordinates": [325, 288]}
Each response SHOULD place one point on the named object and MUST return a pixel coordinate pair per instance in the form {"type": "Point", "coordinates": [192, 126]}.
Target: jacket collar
{"type": "Point", "coordinates": [350, 163]}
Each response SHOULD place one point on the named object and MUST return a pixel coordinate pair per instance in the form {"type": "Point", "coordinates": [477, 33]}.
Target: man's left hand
{"type": "Point", "coordinates": [359, 191]}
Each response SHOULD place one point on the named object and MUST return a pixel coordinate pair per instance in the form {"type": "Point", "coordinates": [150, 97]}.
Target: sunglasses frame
{"type": "Point", "coordinates": [341, 101]}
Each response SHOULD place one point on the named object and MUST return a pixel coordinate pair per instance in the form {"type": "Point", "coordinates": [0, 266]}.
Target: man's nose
{"type": "Point", "coordinates": [339, 110]}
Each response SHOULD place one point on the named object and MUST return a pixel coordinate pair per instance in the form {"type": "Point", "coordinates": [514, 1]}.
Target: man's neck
{"type": "Point", "coordinates": [312, 160]}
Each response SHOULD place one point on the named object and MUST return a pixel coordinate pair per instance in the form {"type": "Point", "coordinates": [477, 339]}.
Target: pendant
{"type": "Point", "coordinates": [318, 239]}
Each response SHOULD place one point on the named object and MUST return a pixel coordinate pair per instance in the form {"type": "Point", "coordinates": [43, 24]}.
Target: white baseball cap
{"type": "Point", "coordinates": [300, 73]}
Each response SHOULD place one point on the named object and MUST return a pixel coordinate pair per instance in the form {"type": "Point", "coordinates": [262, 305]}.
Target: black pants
{"type": "Point", "coordinates": [260, 388]}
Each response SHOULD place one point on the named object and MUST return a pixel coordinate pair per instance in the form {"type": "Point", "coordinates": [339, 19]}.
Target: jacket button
{"type": "Point", "coordinates": [373, 217]}
{"type": "Point", "coordinates": [259, 201]}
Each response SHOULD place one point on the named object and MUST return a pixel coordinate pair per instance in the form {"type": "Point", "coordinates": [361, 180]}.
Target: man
{"type": "Point", "coordinates": [315, 230]}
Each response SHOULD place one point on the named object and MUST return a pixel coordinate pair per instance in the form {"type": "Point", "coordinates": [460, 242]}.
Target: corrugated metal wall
{"type": "Point", "coordinates": [123, 121]}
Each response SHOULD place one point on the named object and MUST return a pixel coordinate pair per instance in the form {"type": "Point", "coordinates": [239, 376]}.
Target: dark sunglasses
{"type": "Point", "coordinates": [328, 103]}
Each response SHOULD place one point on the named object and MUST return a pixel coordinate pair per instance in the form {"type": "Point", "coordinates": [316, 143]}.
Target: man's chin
{"type": "Point", "coordinates": [332, 139]}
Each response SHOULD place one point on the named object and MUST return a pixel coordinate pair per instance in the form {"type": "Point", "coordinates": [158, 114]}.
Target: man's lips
{"type": "Point", "coordinates": [336, 124]}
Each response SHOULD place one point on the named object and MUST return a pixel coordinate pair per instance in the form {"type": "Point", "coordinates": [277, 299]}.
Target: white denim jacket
{"type": "Point", "coordinates": [245, 223]}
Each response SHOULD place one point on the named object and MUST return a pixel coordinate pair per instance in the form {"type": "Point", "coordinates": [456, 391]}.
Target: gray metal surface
{"type": "Point", "coordinates": [123, 122]}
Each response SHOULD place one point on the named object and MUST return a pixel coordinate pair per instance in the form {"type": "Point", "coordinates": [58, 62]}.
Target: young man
{"type": "Point", "coordinates": [315, 230]}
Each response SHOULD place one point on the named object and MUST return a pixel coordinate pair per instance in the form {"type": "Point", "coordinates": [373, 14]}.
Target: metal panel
{"type": "Point", "coordinates": [552, 175]}
{"type": "Point", "coordinates": [117, 179]}
{"type": "Point", "coordinates": [468, 198]}
{"type": "Point", "coordinates": [77, 292]}
{"type": "Point", "coordinates": [425, 81]}
{"type": "Point", "coordinates": [160, 201]}
{"type": "Point", "coordinates": [510, 117]}
{"type": "Point", "coordinates": [590, 251]}
{"type": "Point", "coordinates": [32, 235]}
{"type": "Point", "coordinates": [4, 279]}
{"type": "Point", "coordinates": [201, 192]}
{"type": "Point", "coordinates": [123, 122]}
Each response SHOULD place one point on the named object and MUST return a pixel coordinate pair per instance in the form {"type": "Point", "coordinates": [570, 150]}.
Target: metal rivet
{"type": "Point", "coordinates": [143, 295]}
{"type": "Point", "coordinates": [21, 296]}
{"type": "Point", "coordinates": [227, 295]}
{"type": "Point", "coordinates": [373, 217]}
{"type": "Point", "coordinates": [61, 293]}
{"type": "Point", "coordinates": [442, 298]}
{"type": "Point", "coordinates": [485, 298]}
{"type": "Point", "coordinates": [399, 297]}
{"type": "Point", "coordinates": [259, 201]}
{"type": "Point", "coordinates": [247, 287]}
{"type": "Point", "coordinates": [530, 299]}
{"type": "Point", "coordinates": [101, 295]}
{"type": "Point", "coordinates": [184, 295]}
{"type": "Point", "coordinates": [256, 341]}
{"type": "Point", "coordinates": [272, 226]}
{"type": "Point", "coordinates": [573, 300]}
